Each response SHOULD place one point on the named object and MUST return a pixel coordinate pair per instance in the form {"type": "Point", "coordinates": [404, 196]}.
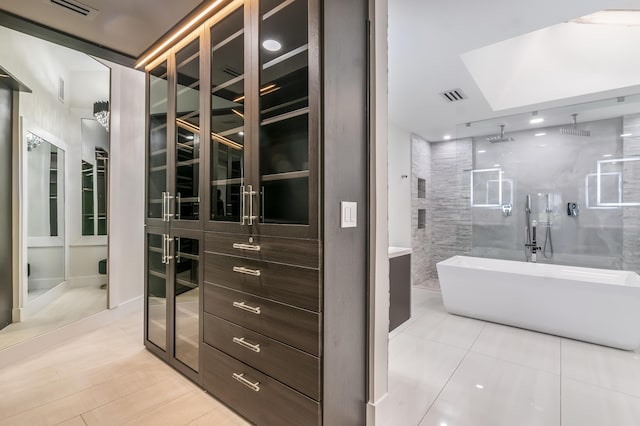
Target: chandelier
{"type": "Point", "coordinates": [33, 141]}
{"type": "Point", "coordinates": [101, 113]}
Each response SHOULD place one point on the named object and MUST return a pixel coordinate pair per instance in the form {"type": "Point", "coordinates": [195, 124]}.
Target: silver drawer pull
{"type": "Point", "coordinates": [240, 341]}
{"type": "Point", "coordinates": [246, 247]}
{"type": "Point", "coordinates": [253, 386]}
{"type": "Point", "coordinates": [247, 271]}
{"type": "Point", "coordinates": [244, 306]}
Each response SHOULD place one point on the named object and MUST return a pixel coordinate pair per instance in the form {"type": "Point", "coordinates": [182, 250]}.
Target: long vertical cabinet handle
{"type": "Point", "coordinates": [251, 193]}
{"type": "Point", "coordinates": [167, 244]}
{"type": "Point", "coordinates": [164, 214]}
{"type": "Point", "coordinates": [164, 244]}
{"type": "Point", "coordinates": [242, 205]}
{"type": "Point", "coordinates": [178, 249]}
{"type": "Point", "coordinates": [166, 207]}
{"type": "Point", "coordinates": [178, 206]}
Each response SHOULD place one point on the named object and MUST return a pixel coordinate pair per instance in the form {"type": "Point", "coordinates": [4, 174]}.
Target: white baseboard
{"type": "Point", "coordinates": [44, 299]}
{"type": "Point", "coordinates": [87, 281]}
{"type": "Point", "coordinates": [16, 315]}
{"type": "Point", "coordinates": [43, 283]}
{"type": "Point", "coordinates": [40, 344]}
{"type": "Point", "coordinates": [374, 408]}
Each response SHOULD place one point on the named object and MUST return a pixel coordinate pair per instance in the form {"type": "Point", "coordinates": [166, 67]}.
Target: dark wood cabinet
{"type": "Point", "coordinates": [234, 166]}
{"type": "Point", "coordinates": [173, 302]}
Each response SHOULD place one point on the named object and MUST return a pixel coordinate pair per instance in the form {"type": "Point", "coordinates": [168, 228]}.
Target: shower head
{"type": "Point", "coordinates": [574, 131]}
{"type": "Point", "coordinates": [500, 137]}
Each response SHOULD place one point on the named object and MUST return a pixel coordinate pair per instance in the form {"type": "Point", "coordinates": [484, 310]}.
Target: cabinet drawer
{"type": "Point", "coordinates": [273, 249]}
{"type": "Point", "coordinates": [259, 398]}
{"type": "Point", "coordinates": [294, 326]}
{"type": "Point", "coordinates": [288, 284]}
{"type": "Point", "coordinates": [288, 365]}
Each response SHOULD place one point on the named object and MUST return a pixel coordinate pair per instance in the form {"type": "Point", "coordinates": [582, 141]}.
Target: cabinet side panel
{"type": "Point", "coordinates": [344, 110]}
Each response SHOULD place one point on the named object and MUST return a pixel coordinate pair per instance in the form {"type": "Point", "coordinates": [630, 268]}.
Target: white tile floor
{"type": "Point", "coordinates": [455, 371]}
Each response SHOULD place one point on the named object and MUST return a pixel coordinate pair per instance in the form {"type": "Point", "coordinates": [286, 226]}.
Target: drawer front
{"type": "Point", "coordinates": [290, 366]}
{"type": "Point", "coordinates": [287, 284]}
{"type": "Point", "coordinates": [294, 326]}
{"type": "Point", "coordinates": [259, 398]}
{"type": "Point", "coordinates": [272, 249]}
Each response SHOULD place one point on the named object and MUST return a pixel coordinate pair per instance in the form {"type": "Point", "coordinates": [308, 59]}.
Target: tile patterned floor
{"type": "Point", "coordinates": [446, 370]}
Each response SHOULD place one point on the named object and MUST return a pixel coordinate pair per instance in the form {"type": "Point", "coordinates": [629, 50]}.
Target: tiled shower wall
{"type": "Point", "coordinates": [445, 167]}
{"type": "Point", "coordinates": [631, 193]}
{"type": "Point", "coordinates": [422, 267]}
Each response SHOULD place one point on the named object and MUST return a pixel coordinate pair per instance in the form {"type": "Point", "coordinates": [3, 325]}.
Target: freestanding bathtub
{"type": "Point", "coordinates": [594, 305]}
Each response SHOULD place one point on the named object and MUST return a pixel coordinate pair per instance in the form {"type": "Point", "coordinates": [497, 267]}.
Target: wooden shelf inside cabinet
{"type": "Point", "coordinates": [155, 201]}
{"type": "Point", "coordinates": [232, 181]}
{"type": "Point", "coordinates": [158, 168]}
{"type": "Point", "coordinates": [158, 152]}
{"type": "Point", "coordinates": [186, 283]}
{"type": "Point", "coordinates": [156, 249]}
{"type": "Point", "coordinates": [286, 116]}
{"type": "Point", "coordinates": [227, 83]}
{"type": "Point", "coordinates": [288, 175]}
{"type": "Point", "coordinates": [158, 127]}
{"type": "Point", "coordinates": [187, 163]}
{"type": "Point", "coordinates": [190, 199]}
{"type": "Point", "coordinates": [290, 54]}
{"type": "Point", "coordinates": [188, 256]}
{"type": "Point", "coordinates": [157, 274]}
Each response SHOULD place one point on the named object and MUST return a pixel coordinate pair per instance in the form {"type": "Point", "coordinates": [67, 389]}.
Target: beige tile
{"type": "Point", "coordinates": [134, 404]}
{"type": "Point", "coordinates": [76, 421]}
{"type": "Point", "coordinates": [528, 348]}
{"type": "Point", "coordinates": [180, 411]}
{"type": "Point", "coordinates": [613, 369]}
{"type": "Point", "coordinates": [488, 391]}
{"type": "Point", "coordinates": [588, 405]}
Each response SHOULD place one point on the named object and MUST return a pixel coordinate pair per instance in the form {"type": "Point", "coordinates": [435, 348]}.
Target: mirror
{"type": "Point", "coordinates": [63, 141]}
{"type": "Point", "coordinates": [45, 207]}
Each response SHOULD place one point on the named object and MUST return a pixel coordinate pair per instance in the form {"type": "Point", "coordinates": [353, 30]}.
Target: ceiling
{"type": "Point", "coordinates": [126, 26]}
{"type": "Point", "coordinates": [507, 57]}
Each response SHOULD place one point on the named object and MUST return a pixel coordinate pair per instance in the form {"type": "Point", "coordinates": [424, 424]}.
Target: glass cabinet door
{"type": "Point", "coordinates": [156, 294]}
{"type": "Point", "coordinates": [284, 112]}
{"type": "Point", "coordinates": [157, 150]}
{"type": "Point", "coordinates": [227, 172]}
{"type": "Point", "coordinates": [187, 302]}
{"type": "Point", "coordinates": [187, 149]}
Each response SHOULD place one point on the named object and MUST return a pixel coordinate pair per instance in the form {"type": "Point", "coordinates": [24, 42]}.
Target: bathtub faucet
{"type": "Point", "coordinates": [533, 246]}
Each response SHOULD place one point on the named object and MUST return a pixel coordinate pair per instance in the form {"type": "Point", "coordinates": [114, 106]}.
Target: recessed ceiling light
{"type": "Point", "coordinates": [541, 134]}
{"type": "Point", "coordinates": [611, 17]}
{"type": "Point", "coordinates": [241, 133]}
{"type": "Point", "coordinates": [536, 120]}
{"type": "Point", "coordinates": [446, 137]}
{"type": "Point", "coordinates": [608, 155]}
{"type": "Point", "coordinates": [480, 386]}
{"type": "Point", "coordinates": [496, 165]}
{"type": "Point", "coordinates": [626, 135]}
{"type": "Point", "coordinates": [542, 145]}
{"type": "Point", "coordinates": [482, 151]}
{"type": "Point", "coordinates": [271, 45]}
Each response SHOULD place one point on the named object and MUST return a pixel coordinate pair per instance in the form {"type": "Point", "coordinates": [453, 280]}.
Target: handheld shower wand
{"type": "Point", "coordinates": [527, 227]}
{"type": "Point", "coordinates": [547, 238]}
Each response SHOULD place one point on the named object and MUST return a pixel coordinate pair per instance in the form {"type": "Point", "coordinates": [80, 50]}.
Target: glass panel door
{"type": "Point", "coordinates": [157, 161]}
{"type": "Point", "coordinates": [284, 112]}
{"type": "Point", "coordinates": [187, 185]}
{"type": "Point", "coordinates": [227, 117]}
{"type": "Point", "coordinates": [156, 291]}
{"type": "Point", "coordinates": [187, 302]}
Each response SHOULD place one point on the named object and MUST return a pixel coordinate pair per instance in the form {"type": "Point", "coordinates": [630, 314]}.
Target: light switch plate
{"type": "Point", "coordinates": [349, 214]}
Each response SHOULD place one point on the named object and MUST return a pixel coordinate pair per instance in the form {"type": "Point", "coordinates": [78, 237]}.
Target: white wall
{"type": "Point", "coordinates": [127, 185]}
{"type": "Point", "coordinates": [379, 234]}
{"type": "Point", "coordinates": [399, 186]}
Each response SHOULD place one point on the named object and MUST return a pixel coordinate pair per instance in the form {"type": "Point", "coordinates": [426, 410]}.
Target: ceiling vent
{"type": "Point", "coordinates": [76, 6]}
{"type": "Point", "coordinates": [453, 95]}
